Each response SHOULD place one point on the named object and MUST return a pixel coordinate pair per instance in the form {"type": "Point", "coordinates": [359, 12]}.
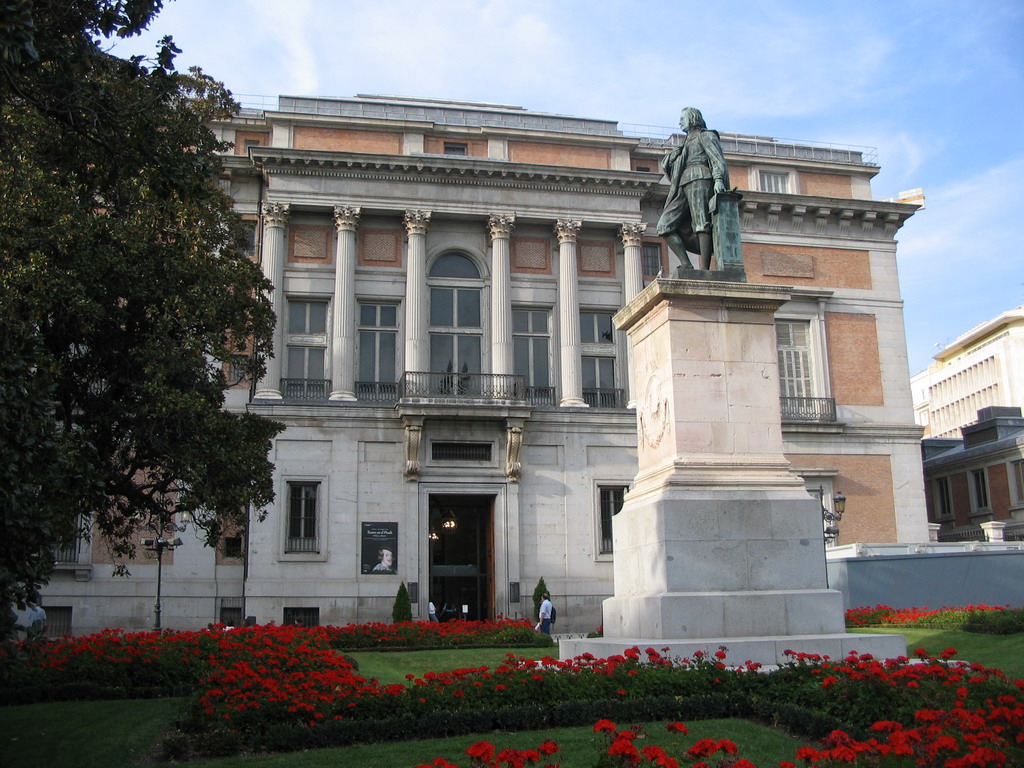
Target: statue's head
{"type": "Point", "coordinates": [691, 118]}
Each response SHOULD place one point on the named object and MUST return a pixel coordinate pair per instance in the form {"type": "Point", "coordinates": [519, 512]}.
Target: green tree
{"type": "Point", "coordinates": [538, 597]}
{"type": "Point", "coordinates": [125, 292]}
{"type": "Point", "coordinates": [402, 610]}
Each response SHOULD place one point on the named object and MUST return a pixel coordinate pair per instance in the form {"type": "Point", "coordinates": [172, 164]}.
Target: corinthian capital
{"type": "Point", "coordinates": [632, 233]}
{"type": "Point", "coordinates": [417, 222]}
{"type": "Point", "coordinates": [567, 229]}
{"type": "Point", "coordinates": [501, 224]}
{"type": "Point", "coordinates": [346, 217]}
{"type": "Point", "coordinates": [276, 214]}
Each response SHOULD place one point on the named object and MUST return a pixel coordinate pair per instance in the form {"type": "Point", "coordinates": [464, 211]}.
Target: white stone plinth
{"type": "Point", "coordinates": [718, 543]}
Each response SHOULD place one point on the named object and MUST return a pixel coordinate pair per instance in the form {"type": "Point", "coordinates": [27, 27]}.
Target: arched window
{"type": "Point", "coordinates": [456, 330]}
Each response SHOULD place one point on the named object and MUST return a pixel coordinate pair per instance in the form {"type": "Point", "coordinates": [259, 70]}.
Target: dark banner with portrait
{"type": "Point", "coordinates": [380, 548]}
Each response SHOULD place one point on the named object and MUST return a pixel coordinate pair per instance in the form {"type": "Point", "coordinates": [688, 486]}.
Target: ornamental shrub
{"type": "Point", "coordinates": [402, 610]}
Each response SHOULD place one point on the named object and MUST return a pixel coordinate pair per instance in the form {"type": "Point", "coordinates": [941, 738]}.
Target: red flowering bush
{"type": "Point", "coordinates": [943, 618]}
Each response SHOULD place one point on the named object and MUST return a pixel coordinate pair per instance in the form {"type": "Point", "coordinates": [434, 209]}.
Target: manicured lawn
{"type": "Point", "coordinates": [393, 666]}
{"type": "Point", "coordinates": [84, 734]}
{"type": "Point", "coordinates": [1005, 652]}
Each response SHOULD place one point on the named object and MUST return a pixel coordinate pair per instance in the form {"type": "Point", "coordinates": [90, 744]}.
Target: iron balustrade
{"type": "Point", "coordinates": [377, 391]}
{"type": "Point", "coordinates": [602, 398]}
{"type": "Point", "coordinates": [305, 389]}
{"type": "Point", "coordinates": [464, 386]}
{"type": "Point", "coordinates": [68, 553]}
{"type": "Point", "coordinates": [302, 544]}
{"type": "Point", "coordinates": [540, 395]}
{"type": "Point", "coordinates": [821, 410]}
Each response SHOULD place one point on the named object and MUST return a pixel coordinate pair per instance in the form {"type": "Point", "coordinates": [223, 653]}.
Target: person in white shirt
{"type": "Point", "coordinates": [545, 614]}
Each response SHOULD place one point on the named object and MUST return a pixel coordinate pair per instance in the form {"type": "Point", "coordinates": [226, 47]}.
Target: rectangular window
{"type": "Point", "coordinates": [651, 260]}
{"type": "Point", "coordinates": [306, 376]}
{"type": "Point", "coordinates": [378, 339]}
{"type": "Point", "coordinates": [302, 617]}
{"type": "Point", "coordinates": [232, 546]}
{"type": "Point", "coordinates": [611, 498]}
{"type": "Point", "coordinates": [774, 182]}
{"type": "Point", "coordinates": [596, 328]}
{"type": "Point", "coordinates": [230, 612]}
{"type": "Point", "coordinates": [1018, 481]}
{"type": "Point", "coordinates": [531, 354]}
{"type": "Point", "coordinates": [943, 498]}
{"type": "Point", "coordinates": [456, 148]}
{"type": "Point", "coordinates": [302, 517]}
{"type": "Point", "coordinates": [980, 483]}
{"type": "Point", "coordinates": [599, 389]}
{"type": "Point", "coordinates": [58, 620]}
{"type": "Point", "coordinates": [792, 338]}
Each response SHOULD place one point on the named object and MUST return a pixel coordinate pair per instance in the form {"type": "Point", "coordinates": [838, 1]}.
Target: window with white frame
{"type": "Point", "coordinates": [610, 501]}
{"type": "Point", "coordinates": [456, 328]}
{"type": "Point", "coordinates": [943, 499]}
{"type": "Point", "coordinates": [1017, 470]}
{"type": "Point", "coordinates": [306, 360]}
{"type": "Point", "coordinates": [531, 344]}
{"type": "Point", "coordinates": [979, 484]}
{"type": "Point", "coordinates": [773, 181]}
{"type": "Point", "coordinates": [793, 342]}
{"type": "Point", "coordinates": [303, 517]}
{"type": "Point", "coordinates": [378, 339]}
{"type": "Point", "coordinates": [597, 364]}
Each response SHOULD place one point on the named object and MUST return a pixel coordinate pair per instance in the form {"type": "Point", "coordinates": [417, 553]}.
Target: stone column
{"type": "Point", "coordinates": [343, 325]}
{"type": "Point", "coordinates": [500, 226]}
{"type": "Point", "coordinates": [417, 342]}
{"type": "Point", "coordinates": [632, 234]}
{"type": "Point", "coordinates": [569, 314]}
{"type": "Point", "coordinates": [275, 219]}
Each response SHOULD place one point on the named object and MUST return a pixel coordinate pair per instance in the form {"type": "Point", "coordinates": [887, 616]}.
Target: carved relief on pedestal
{"type": "Point", "coordinates": [653, 414]}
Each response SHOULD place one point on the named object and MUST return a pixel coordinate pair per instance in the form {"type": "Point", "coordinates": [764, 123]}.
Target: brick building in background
{"type": "Point", "coordinates": [457, 401]}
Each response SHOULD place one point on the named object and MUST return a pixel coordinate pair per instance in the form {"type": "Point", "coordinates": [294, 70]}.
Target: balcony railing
{"type": "Point", "coordinates": [305, 389]}
{"type": "Point", "coordinates": [463, 386]}
{"type": "Point", "coordinates": [69, 553]}
{"type": "Point", "coordinates": [821, 410]}
{"type": "Point", "coordinates": [377, 391]}
{"type": "Point", "coordinates": [540, 395]}
{"type": "Point", "coordinates": [602, 398]}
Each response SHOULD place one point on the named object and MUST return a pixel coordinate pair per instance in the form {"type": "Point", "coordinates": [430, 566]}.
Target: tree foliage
{"type": "Point", "coordinates": [402, 609]}
{"type": "Point", "coordinates": [125, 290]}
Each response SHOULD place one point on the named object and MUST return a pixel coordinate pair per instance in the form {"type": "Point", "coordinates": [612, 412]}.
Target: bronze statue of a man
{"type": "Point", "coordinates": [696, 171]}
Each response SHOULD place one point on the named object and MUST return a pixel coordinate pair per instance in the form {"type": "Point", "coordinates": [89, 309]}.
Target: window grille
{"type": "Point", "coordinates": [460, 451]}
{"type": "Point", "coordinates": [612, 497]}
{"type": "Point", "coordinates": [303, 617]}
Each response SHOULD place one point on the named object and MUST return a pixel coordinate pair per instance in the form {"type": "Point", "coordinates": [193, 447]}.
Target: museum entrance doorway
{"type": "Point", "coordinates": [461, 545]}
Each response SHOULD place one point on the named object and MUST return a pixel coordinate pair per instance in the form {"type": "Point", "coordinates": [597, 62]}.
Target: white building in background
{"type": "Point", "coordinates": [456, 399]}
{"type": "Point", "coordinates": [981, 369]}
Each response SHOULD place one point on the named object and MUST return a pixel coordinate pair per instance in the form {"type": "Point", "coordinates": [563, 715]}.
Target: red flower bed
{"type": "Point", "coordinates": [883, 614]}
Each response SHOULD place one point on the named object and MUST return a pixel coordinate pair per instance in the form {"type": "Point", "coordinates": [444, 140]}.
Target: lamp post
{"type": "Point", "coordinates": [830, 520]}
{"type": "Point", "coordinates": [158, 545]}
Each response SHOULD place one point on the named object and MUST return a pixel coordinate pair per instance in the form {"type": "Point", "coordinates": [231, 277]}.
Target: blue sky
{"type": "Point", "coordinates": [937, 87]}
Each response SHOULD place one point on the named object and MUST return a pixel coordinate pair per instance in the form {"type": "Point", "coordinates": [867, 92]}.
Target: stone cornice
{"type": "Point", "coordinates": [823, 216]}
{"type": "Point", "coordinates": [441, 169]}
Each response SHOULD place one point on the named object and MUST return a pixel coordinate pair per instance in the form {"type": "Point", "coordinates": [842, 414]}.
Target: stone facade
{"type": "Point", "coordinates": [453, 389]}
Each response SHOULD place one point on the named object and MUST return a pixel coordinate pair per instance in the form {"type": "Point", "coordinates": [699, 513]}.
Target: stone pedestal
{"type": "Point", "coordinates": [718, 543]}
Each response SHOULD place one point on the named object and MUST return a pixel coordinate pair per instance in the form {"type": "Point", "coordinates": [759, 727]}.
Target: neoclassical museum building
{"type": "Point", "coordinates": [458, 405]}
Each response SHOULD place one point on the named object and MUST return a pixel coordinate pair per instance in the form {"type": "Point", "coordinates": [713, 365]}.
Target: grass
{"type": "Point", "coordinates": [111, 734]}
{"type": "Point", "coordinates": [393, 666]}
{"type": "Point", "coordinates": [1005, 652]}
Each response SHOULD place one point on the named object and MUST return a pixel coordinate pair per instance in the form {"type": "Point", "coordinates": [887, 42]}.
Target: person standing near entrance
{"type": "Point", "coordinates": [544, 614]}
{"type": "Point", "coordinates": [431, 611]}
